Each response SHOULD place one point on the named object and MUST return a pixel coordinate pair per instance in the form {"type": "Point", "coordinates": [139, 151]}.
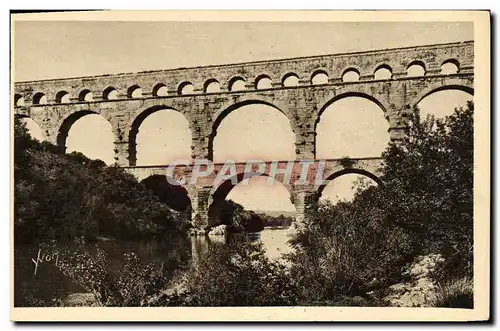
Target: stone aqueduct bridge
{"type": "Point", "coordinates": [206, 95]}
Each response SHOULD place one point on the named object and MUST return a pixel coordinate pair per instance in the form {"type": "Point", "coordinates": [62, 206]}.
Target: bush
{"type": "Point", "coordinates": [346, 250]}
{"type": "Point", "coordinates": [135, 284]}
{"type": "Point", "coordinates": [237, 274]}
{"type": "Point", "coordinates": [457, 293]}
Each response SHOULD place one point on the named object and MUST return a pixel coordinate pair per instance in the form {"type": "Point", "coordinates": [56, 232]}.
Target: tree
{"type": "Point", "coordinates": [64, 196]}
{"type": "Point", "coordinates": [424, 206]}
{"type": "Point", "coordinates": [236, 217]}
{"type": "Point", "coordinates": [429, 185]}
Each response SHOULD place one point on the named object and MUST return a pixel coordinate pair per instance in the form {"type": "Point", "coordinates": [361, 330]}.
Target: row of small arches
{"type": "Point", "coordinates": [383, 72]}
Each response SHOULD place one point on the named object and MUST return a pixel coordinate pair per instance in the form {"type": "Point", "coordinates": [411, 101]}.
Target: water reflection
{"type": "Point", "coordinates": [275, 241]}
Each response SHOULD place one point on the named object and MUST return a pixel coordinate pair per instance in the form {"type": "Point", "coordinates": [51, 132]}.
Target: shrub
{"type": "Point", "coordinates": [346, 162]}
{"type": "Point", "coordinates": [237, 274]}
{"type": "Point", "coordinates": [135, 284]}
{"type": "Point", "coordinates": [456, 293]}
{"type": "Point", "coordinates": [346, 250]}
{"type": "Point", "coordinates": [30, 300]}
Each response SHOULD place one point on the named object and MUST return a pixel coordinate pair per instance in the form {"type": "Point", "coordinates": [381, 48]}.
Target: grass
{"type": "Point", "coordinates": [456, 293]}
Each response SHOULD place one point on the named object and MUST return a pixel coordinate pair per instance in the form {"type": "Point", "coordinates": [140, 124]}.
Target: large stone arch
{"type": "Point", "coordinates": [465, 85]}
{"type": "Point", "coordinates": [132, 128]}
{"type": "Point", "coordinates": [346, 93]}
{"type": "Point", "coordinates": [176, 197]}
{"type": "Point", "coordinates": [142, 172]}
{"type": "Point", "coordinates": [67, 122]}
{"type": "Point", "coordinates": [229, 107]}
{"type": "Point", "coordinates": [220, 191]}
{"type": "Point", "coordinates": [352, 170]}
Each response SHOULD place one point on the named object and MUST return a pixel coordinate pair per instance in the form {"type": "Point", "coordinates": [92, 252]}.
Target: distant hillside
{"type": "Point", "coordinates": [276, 213]}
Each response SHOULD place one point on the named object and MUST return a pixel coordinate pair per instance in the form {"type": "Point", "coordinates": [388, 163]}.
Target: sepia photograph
{"type": "Point", "coordinates": [333, 161]}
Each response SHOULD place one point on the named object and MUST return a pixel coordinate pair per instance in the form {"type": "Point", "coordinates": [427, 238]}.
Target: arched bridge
{"type": "Point", "coordinates": [300, 88]}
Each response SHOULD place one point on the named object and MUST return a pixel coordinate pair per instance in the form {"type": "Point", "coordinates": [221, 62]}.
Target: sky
{"type": "Point", "coordinates": [54, 49]}
{"type": "Point", "coordinates": [351, 126]}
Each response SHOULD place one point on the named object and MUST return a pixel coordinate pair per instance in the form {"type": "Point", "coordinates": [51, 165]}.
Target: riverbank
{"type": "Point", "coordinates": [48, 283]}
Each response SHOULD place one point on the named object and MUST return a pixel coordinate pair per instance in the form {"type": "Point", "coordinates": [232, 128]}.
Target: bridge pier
{"type": "Point", "coordinates": [303, 199]}
{"type": "Point", "coordinates": [121, 153]}
{"type": "Point", "coordinates": [199, 206]}
{"type": "Point", "coordinates": [304, 145]}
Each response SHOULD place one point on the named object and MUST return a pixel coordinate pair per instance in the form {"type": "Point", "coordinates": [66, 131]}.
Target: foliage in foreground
{"type": "Point", "coordinates": [237, 274]}
{"type": "Point", "coordinates": [425, 206]}
{"type": "Point", "coordinates": [133, 285]}
{"type": "Point", "coordinates": [233, 274]}
{"type": "Point", "coordinates": [347, 250]}
{"type": "Point", "coordinates": [65, 196]}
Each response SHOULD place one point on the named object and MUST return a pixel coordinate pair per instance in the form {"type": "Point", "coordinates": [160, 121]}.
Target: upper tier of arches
{"type": "Point", "coordinates": [336, 69]}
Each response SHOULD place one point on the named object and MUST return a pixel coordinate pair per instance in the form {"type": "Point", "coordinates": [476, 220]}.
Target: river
{"type": "Point", "coordinates": [44, 282]}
